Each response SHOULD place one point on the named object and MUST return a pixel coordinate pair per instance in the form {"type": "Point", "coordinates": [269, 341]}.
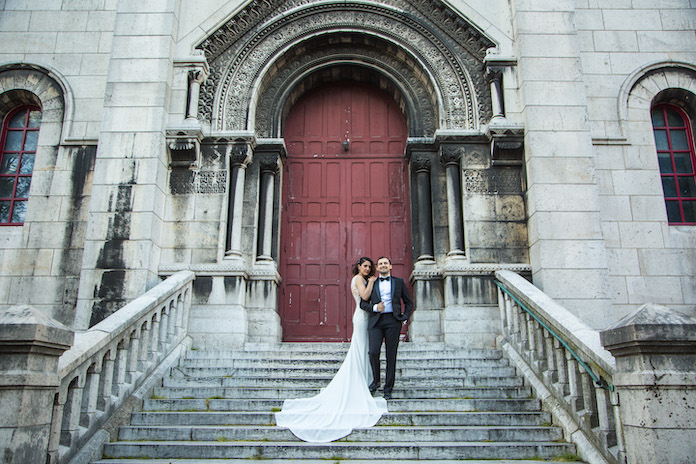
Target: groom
{"type": "Point", "coordinates": [385, 321]}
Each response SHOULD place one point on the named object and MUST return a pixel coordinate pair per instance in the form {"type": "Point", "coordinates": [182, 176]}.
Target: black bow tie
{"type": "Point", "coordinates": [384, 278]}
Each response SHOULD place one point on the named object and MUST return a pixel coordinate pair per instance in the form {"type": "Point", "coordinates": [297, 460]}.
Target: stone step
{"type": "Point", "coordinates": [195, 418]}
{"type": "Point", "coordinates": [319, 461]}
{"type": "Point", "coordinates": [285, 393]}
{"type": "Point", "coordinates": [300, 371]}
{"type": "Point", "coordinates": [338, 450]}
{"type": "Point", "coordinates": [395, 405]}
{"type": "Point", "coordinates": [179, 380]}
{"type": "Point", "coordinates": [377, 434]}
{"type": "Point", "coordinates": [274, 363]}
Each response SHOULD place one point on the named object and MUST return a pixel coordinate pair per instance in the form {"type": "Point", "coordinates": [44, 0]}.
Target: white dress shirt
{"type": "Point", "coordinates": [385, 292]}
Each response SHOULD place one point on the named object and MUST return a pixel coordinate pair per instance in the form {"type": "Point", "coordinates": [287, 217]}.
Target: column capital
{"type": "Point", "coordinates": [421, 164]}
{"type": "Point", "coordinates": [239, 155]}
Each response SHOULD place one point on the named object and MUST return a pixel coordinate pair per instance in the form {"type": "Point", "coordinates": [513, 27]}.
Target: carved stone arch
{"type": "Point", "coordinates": [22, 84]}
{"type": "Point", "coordinates": [440, 54]}
{"type": "Point", "coordinates": [344, 57]}
{"type": "Point", "coordinates": [656, 83]}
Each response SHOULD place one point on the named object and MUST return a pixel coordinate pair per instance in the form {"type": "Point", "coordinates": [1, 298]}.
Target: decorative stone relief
{"type": "Point", "coordinates": [474, 182]}
{"type": "Point", "coordinates": [241, 48]}
{"type": "Point", "coordinates": [183, 182]}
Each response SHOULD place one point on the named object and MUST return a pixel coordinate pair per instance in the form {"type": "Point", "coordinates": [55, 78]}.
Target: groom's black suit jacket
{"type": "Point", "coordinates": [399, 296]}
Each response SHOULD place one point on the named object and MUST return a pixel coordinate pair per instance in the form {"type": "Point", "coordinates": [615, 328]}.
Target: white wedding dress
{"type": "Point", "coordinates": [346, 403]}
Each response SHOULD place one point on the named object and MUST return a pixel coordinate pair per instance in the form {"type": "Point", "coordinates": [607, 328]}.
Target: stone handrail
{"type": "Point", "coordinates": [112, 359]}
{"type": "Point", "coordinates": [567, 365]}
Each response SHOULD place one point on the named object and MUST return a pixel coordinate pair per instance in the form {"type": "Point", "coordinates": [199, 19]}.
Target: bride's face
{"type": "Point", "coordinates": [365, 269]}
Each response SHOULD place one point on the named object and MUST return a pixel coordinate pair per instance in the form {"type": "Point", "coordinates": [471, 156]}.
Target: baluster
{"type": "Point", "coordinates": [179, 316]}
{"type": "Point", "coordinates": [607, 429]}
{"type": "Point", "coordinates": [91, 395]}
{"type": "Point", "coordinates": [171, 324]}
{"type": "Point", "coordinates": [71, 412]}
{"type": "Point", "coordinates": [164, 326]}
{"type": "Point", "coordinates": [575, 399]}
{"type": "Point", "coordinates": [524, 334]}
{"type": "Point", "coordinates": [106, 381]}
{"type": "Point", "coordinates": [620, 445]}
{"type": "Point", "coordinates": [503, 314]}
{"type": "Point", "coordinates": [550, 375]}
{"type": "Point", "coordinates": [515, 322]}
{"type": "Point", "coordinates": [56, 426]}
{"type": "Point", "coordinates": [511, 316]}
{"type": "Point", "coordinates": [589, 399]}
{"type": "Point", "coordinates": [561, 369]}
{"type": "Point", "coordinates": [133, 352]}
{"type": "Point", "coordinates": [119, 385]}
{"type": "Point", "coordinates": [539, 346]}
{"type": "Point", "coordinates": [531, 341]}
{"type": "Point", "coordinates": [154, 343]}
{"type": "Point", "coordinates": [143, 357]}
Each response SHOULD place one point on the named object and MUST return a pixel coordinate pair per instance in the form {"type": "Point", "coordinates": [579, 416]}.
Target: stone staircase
{"type": "Point", "coordinates": [448, 405]}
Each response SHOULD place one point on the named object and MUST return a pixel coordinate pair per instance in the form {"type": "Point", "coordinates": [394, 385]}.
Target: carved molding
{"type": "Point", "coordinates": [451, 49]}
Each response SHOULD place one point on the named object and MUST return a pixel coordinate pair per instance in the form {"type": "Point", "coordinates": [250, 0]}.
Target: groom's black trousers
{"type": "Point", "coordinates": [387, 328]}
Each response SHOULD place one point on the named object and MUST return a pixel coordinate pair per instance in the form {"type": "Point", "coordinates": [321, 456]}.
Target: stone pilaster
{"type": "Point", "coordinates": [655, 351]}
{"type": "Point", "coordinates": [567, 249]}
{"type": "Point", "coordinates": [30, 345]}
{"type": "Point", "coordinates": [123, 241]}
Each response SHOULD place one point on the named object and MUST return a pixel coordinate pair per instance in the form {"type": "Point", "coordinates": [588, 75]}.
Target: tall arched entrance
{"type": "Point", "coordinates": [345, 195]}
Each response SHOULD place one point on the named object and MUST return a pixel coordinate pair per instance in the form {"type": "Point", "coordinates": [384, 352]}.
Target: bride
{"type": "Point", "coordinates": [346, 403]}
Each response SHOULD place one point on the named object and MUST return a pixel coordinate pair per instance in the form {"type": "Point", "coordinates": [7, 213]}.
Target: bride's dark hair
{"type": "Point", "coordinates": [359, 263]}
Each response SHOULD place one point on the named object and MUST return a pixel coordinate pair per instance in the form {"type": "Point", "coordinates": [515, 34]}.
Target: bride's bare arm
{"type": "Point", "coordinates": [365, 290]}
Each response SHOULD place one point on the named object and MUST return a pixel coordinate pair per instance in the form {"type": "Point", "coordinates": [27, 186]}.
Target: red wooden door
{"type": "Point", "coordinates": [339, 204]}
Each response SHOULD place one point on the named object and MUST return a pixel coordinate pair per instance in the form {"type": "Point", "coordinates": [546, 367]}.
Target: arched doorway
{"type": "Point", "coordinates": [345, 195]}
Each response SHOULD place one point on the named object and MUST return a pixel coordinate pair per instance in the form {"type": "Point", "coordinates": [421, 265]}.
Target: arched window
{"type": "Point", "coordinates": [675, 152]}
{"type": "Point", "coordinates": [20, 134]}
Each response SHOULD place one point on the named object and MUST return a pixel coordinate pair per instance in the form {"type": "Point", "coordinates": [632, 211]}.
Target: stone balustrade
{"type": "Point", "coordinates": [566, 364]}
{"type": "Point", "coordinates": [112, 359]}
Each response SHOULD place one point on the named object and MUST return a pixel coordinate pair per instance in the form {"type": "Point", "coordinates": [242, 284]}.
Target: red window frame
{"type": "Point", "coordinates": [669, 171]}
{"type": "Point", "coordinates": [21, 169]}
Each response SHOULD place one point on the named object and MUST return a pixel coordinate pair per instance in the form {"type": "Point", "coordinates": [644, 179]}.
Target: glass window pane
{"type": "Point", "coordinates": [18, 211]}
{"type": "Point", "coordinates": [674, 118]}
{"type": "Point", "coordinates": [6, 187]}
{"type": "Point", "coordinates": [673, 213]}
{"type": "Point", "coordinates": [679, 140]}
{"type": "Point", "coordinates": [661, 140]}
{"type": "Point", "coordinates": [669, 187]}
{"type": "Point", "coordinates": [18, 119]}
{"type": "Point", "coordinates": [31, 140]}
{"type": "Point", "coordinates": [23, 184]}
{"type": "Point", "coordinates": [13, 142]}
{"type": "Point", "coordinates": [34, 118]}
{"type": "Point", "coordinates": [4, 211]}
{"type": "Point", "coordinates": [687, 186]}
{"type": "Point", "coordinates": [658, 118]}
{"type": "Point", "coordinates": [27, 164]}
{"type": "Point", "coordinates": [689, 211]}
{"type": "Point", "coordinates": [9, 163]}
{"type": "Point", "coordinates": [683, 163]}
{"type": "Point", "coordinates": [665, 163]}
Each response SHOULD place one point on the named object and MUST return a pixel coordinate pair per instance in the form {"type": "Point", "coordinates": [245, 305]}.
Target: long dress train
{"type": "Point", "coordinates": [344, 404]}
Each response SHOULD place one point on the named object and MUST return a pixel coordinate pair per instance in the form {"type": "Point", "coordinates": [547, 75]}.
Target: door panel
{"type": "Point", "coordinates": [339, 205]}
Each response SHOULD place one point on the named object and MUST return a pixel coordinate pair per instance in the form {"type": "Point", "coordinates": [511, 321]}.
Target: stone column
{"type": "Point", "coordinates": [269, 168]}
{"type": "Point", "coordinates": [421, 166]}
{"type": "Point", "coordinates": [239, 159]}
{"type": "Point", "coordinates": [450, 157]}
{"type": "Point", "coordinates": [495, 76]}
{"type": "Point", "coordinates": [196, 78]}
{"type": "Point", "coordinates": [30, 345]}
{"type": "Point", "coordinates": [655, 351]}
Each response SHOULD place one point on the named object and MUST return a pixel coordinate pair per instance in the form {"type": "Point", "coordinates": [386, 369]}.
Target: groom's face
{"type": "Point", "coordinates": [384, 266]}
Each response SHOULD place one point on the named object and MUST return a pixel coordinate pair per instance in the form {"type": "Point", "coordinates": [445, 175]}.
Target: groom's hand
{"type": "Point", "coordinates": [380, 307]}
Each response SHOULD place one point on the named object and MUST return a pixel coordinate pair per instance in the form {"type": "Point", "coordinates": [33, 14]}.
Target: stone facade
{"type": "Point", "coordinates": [530, 148]}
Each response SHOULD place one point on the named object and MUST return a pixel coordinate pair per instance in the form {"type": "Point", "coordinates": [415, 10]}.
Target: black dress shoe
{"type": "Point", "coordinates": [387, 396]}
{"type": "Point", "coordinates": [373, 390]}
